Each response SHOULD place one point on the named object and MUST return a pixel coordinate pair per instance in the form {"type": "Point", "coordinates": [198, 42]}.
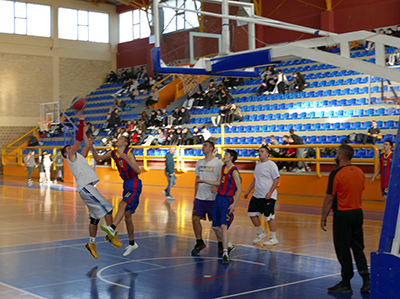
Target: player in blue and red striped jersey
{"type": "Point", "coordinates": [129, 171]}
{"type": "Point", "coordinates": [228, 195]}
{"type": "Point", "coordinates": [385, 163]}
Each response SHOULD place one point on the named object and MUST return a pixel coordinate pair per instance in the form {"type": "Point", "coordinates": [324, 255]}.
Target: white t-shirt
{"type": "Point", "coordinates": [264, 174]}
{"type": "Point", "coordinates": [210, 171]}
{"type": "Point", "coordinates": [83, 173]}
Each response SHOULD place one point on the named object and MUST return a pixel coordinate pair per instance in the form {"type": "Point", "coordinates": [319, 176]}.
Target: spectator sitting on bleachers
{"type": "Point", "coordinates": [160, 137]}
{"type": "Point", "coordinates": [288, 153]}
{"type": "Point", "coordinates": [111, 78]}
{"type": "Point", "coordinates": [221, 117]}
{"type": "Point", "coordinates": [206, 133]}
{"type": "Point", "coordinates": [106, 124]}
{"type": "Point", "coordinates": [269, 85]}
{"type": "Point", "coordinates": [274, 152]}
{"type": "Point", "coordinates": [115, 106]}
{"type": "Point", "coordinates": [234, 114]}
{"type": "Point", "coordinates": [197, 136]}
{"type": "Point", "coordinates": [187, 137]}
{"type": "Point", "coordinates": [124, 89]}
{"type": "Point", "coordinates": [152, 98]}
{"type": "Point", "coordinates": [269, 71]}
{"type": "Point", "coordinates": [193, 99]}
{"type": "Point", "coordinates": [236, 82]}
{"type": "Point", "coordinates": [298, 84]}
{"type": "Point", "coordinates": [152, 81]}
{"type": "Point", "coordinates": [169, 136]}
{"type": "Point", "coordinates": [129, 126]}
{"type": "Point", "coordinates": [151, 120]}
{"type": "Point", "coordinates": [145, 117]}
{"type": "Point", "coordinates": [164, 118]}
{"type": "Point", "coordinates": [142, 74]}
{"type": "Point", "coordinates": [374, 134]}
{"type": "Point", "coordinates": [224, 95]}
{"type": "Point", "coordinates": [33, 141]}
{"type": "Point", "coordinates": [144, 86]}
{"type": "Point", "coordinates": [137, 137]}
{"type": "Point", "coordinates": [177, 138]}
{"type": "Point", "coordinates": [211, 97]}
{"type": "Point", "coordinates": [183, 117]}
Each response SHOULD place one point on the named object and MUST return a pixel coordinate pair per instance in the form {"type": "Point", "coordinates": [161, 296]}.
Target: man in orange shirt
{"type": "Point", "coordinates": [343, 196]}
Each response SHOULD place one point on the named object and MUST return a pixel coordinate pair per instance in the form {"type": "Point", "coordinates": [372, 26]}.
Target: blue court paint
{"type": "Point", "coordinates": [162, 267]}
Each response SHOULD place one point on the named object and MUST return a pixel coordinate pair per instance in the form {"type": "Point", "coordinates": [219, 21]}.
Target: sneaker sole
{"type": "Point", "coordinates": [107, 231]}
{"type": "Point", "coordinates": [231, 249]}
{"type": "Point", "coordinates": [196, 251]}
{"type": "Point", "coordinates": [107, 238]}
{"type": "Point", "coordinates": [93, 256]}
{"type": "Point", "coordinates": [126, 254]}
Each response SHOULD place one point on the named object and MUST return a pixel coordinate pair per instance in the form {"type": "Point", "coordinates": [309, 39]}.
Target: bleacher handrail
{"type": "Point", "coordinates": [180, 157]}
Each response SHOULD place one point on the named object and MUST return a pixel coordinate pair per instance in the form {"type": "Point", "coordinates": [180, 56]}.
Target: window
{"type": "Point", "coordinates": [133, 25]}
{"type": "Point", "coordinates": [25, 18]}
{"type": "Point", "coordinates": [83, 25]}
{"type": "Point", "coordinates": [179, 20]}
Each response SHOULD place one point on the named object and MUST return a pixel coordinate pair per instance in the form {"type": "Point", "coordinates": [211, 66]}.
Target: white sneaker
{"type": "Point", "coordinates": [302, 170]}
{"type": "Point", "coordinates": [130, 248]}
{"type": "Point", "coordinates": [164, 192]}
{"type": "Point", "coordinates": [271, 242]}
{"type": "Point", "coordinates": [308, 169]}
{"type": "Point", "coordinates": [259, 237]}
{"type": "Point", "coordinates": [170, 198]}
{"type": "Point", "coordinates": [108, 229]}
{"type": "Point", "coordinates": [283, 169]}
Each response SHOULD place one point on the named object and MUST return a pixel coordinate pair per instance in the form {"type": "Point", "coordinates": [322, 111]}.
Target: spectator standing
{"type": "Point", "coordinates": [59, 162]}
{"type": "Point", "coordinates": [385, 164]}
{"type": "Point", "coordinates": [302, 166]}
{"type": "Point", "coordinates": [30, 164]}
{"type": "Point", "coordinates": [282, 82]}
{"type": "Point", "coordinates": [265, 182]}
{"type": "Point", "coordinates": [47, 163]}
{"type": "Point", "coordinates": [343, 196]}
{"type": "Point", "coordinates": [41, 169]}
{"type": "Point", "coordinates": [170, 172]}
{"type": "Point", "coordinates": [374, 134]}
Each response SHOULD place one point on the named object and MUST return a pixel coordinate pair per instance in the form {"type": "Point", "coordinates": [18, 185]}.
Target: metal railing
{"type": "Point", "coordinates": [181, 158]}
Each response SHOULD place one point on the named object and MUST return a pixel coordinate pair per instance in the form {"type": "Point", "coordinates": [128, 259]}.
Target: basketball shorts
{"type": "Point", "coordinates": [201, 208]}
{"type": "Point", "coordinates": [385, 191]}
{"type": "Point", "coordinates": [98, 206]}
{"type": "Point", "coordinates": [221, 214]}
{"type": "Point", "coordinates": [131, 194]}
{"type": "Point", "coordinates": [260, 206]}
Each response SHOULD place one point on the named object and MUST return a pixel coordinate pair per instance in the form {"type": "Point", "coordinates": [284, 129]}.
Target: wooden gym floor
{"type": "Point", "coordinates": [44, 229]}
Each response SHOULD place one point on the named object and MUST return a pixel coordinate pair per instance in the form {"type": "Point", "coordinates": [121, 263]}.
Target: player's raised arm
{"type": "Point", "coordinates": [97, 157]}
{"type": "Point", "coordinates": [78, 139]}
{"type": "Point", "coordinates": [88, 142]}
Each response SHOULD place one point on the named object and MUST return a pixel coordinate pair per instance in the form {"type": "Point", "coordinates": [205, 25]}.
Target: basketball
{"type": "Point", "coordinates": [78, 103]}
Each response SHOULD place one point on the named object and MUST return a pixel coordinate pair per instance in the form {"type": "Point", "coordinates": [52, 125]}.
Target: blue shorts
{"type": "Point", "coordinates": [385, 191]}
{"type": "Point", "coordinates": [221, 215]}
{"type": "Point", "coordinates": [201, 208]}
{"type": "Point", "coordinates": [131, 194]}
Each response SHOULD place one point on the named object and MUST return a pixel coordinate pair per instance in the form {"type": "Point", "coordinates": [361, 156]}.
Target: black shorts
{"type": "Point", "coordinates": [259, 206]}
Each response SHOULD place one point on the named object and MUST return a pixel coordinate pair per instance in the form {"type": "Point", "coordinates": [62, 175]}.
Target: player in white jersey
{"type": "Point", "coordinates": [209, 169]}
{"type": "Point", "coordinates": [86, 179]}
{"type": "Point", "coordinates": [265, 182]}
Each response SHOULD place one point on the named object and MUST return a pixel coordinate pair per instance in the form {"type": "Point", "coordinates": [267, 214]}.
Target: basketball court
{"type": "Point", "coordinates": [45, 228]}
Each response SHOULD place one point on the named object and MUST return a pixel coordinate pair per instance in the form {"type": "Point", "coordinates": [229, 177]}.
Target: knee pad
{"type": "Point", "coordinates": [94, 221]}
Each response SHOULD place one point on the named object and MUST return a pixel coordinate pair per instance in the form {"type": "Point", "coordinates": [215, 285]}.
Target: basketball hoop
{"type": "Point", "coordinates": [44, 125]}
{"type": "Point", "coordinates": [190, 83]}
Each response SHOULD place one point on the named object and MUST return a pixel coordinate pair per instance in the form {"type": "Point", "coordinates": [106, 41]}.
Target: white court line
{"type": "Point", "coordinates": [277, 286]}
{"type": "Point", "coordinates": [22, 291]}
{"type": "Point", "coordinates": [99, 273]}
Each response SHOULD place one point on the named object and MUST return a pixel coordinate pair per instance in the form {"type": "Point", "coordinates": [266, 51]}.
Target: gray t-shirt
{"type": "Point", "coordinates": [83, 173]}
{"type": "Point", "coordinates": [210, 171]}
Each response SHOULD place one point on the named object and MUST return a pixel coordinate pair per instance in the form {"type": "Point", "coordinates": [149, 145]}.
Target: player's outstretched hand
{"type": "Point", "coordinates": [372, 181]}
{"type": "Point", "coordinates": [79, 115]}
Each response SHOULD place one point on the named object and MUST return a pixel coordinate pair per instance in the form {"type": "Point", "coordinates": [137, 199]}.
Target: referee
{"type": "Point", "coordinates": [343, 196]}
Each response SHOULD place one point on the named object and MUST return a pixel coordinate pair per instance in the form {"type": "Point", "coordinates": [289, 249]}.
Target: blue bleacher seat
{"type": "Point", "coordinates": [257, 128]}
{"type": "Point", "coordinates": [281, 128]}
{"type": "Point", "coordinates": [370, 112]}
{"type": "Point", "coordinates": [346, 126]}
{"type": "Point", "coordinates": [307, 127]}
{"type": "Point", "coordinates": [342, 138]}
{"type": "Point", "coordinates": [316, 127]}
{"type": "Point", "coordinates": [339, 113]}
{"type": "Point", "coordinates": [336, 126]}
{"type": "Point", "coordinates": [343, 102]}
{"type": "Point", "coordinates": [272, 128]}
{"type": "Point", "coordinates": [361, 153]}
{"type": "Point", "coordinates": [326, 126]}
{"type": "Point", "coordinates": [390, 124]}
{"type": "Point", "coordinates": [356, 125]}
{"type": "Point", "coordinates": [313, 139]}
{"type": "Point", "coordinates": [261, 117]}
{"type": "Point", "coordinates": [367, 125]}
{"type": "Point", "coordinates": [294, 115]}
{"type": "Point", "coordinates": [380, 112]}
{"type": "Point", "coordinates": [322, 139]}
{"type": "Point", "coordinates": [298, 127]}
{"type": "Point", "coordinates": [349, 113]}
{"type": "Point", "coordinates": [303, 115]}
{"type": "Point", "coordinates": [332, 139]}
{"type": "Point", "coordinates": [330, 114]}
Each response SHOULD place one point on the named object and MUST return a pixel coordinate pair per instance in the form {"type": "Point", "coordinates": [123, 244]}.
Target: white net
{"type": "Point", "coordinates": [190, 83]}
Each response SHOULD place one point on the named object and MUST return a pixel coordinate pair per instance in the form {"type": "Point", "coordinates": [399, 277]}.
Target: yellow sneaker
{"type": "Point", "coordinates": [92, 249]}
{"type": "Point", "coordinates": [114, 241]}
